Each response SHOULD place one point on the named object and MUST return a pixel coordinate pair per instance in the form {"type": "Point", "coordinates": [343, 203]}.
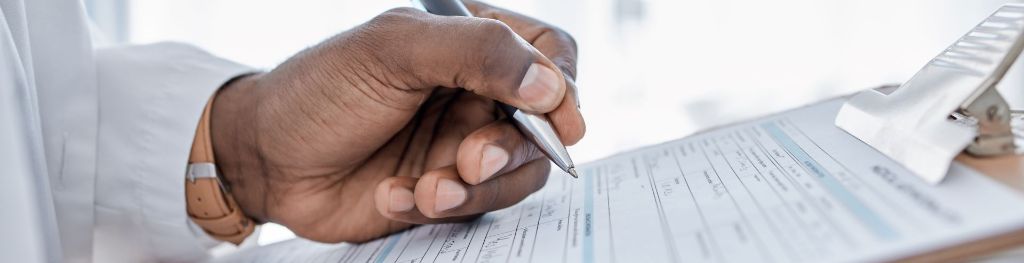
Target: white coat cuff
{"type": "Point", "coordinates": [151, 98]}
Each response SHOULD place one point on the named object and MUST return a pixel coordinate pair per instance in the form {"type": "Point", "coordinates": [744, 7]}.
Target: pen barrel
{"type": "Point", "coordinates": [538, 129]}
{"type": "Point", "coordinates": [444, 7]}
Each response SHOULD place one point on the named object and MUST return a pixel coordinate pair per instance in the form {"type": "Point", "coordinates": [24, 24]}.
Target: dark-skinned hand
{"type": "Point", "coordinates": [393, 123]}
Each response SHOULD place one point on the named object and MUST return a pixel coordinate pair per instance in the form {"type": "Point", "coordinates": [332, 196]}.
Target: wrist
{"type": "Point", "coordinates": [233, 134]}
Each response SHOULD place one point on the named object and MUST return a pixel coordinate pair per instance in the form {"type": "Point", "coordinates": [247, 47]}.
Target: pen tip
{"type": "Point", "coordinates": [572, 171]}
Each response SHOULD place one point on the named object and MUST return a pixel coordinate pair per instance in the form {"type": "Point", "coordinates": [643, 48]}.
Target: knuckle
{"type": "Point", "coordinates": [493, 34]}
{"type": "Point", "coordinates": [493, 27]}
{"type": "Point", "coordinates": [394, 19]}
{"type": "Point", "coordinates": [383, 27]}
{"type": "Point", "coordinates": [497, 56]}
{"type": "Point", "coordinates": [403, 10]}
{"type": "Point", "coordinates": [397, 14]}
{"type": "Point", "coordinates": [566, 62]}
{"type": "Point", "coordinates": [565, 36]}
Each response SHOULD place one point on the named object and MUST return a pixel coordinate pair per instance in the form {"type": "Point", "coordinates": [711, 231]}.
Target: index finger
{"type": "Point", "coordinates": [560, 48]}
{"type": "Point", "coordinates": [552, 42]}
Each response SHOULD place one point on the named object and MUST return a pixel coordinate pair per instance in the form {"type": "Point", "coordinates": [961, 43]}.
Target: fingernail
{"type": "Point", "coordinates": [450, 194]}
{"type": "Point", "coordinates": [540, 86]}
{"type": "Point", "coordinates": [401, 200]}
{"type": "Point", "coordinates": [493, 159]}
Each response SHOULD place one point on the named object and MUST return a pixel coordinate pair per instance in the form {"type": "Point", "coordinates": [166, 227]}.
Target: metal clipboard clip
{"type": "Point", "coordinates": [949, 106]}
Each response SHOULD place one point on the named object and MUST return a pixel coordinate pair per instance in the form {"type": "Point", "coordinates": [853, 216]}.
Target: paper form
{"type": "Point", "coordinates": [789, 187]}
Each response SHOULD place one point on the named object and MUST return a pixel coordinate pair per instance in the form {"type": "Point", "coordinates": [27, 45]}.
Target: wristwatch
{"type": "Point", "coordinates": [209, 203]}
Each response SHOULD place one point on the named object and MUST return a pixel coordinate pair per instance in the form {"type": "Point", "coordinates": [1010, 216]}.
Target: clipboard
{"type": "Point", "coordinates": [950, 110]}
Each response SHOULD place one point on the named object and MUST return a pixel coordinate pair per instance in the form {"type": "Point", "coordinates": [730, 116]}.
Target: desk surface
{"type": "Point", "coordinates": [1008, 170]}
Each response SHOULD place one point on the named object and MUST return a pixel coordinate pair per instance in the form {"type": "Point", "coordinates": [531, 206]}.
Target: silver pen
{"type": "Point", "coordinates": [535, 127]}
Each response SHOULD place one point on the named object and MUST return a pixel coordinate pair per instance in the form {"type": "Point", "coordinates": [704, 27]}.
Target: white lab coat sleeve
{"type": "Point", "coordinates": [151, 98]}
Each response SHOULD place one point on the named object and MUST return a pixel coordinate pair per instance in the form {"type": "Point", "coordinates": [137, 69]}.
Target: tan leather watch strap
{"type": "Point", "coordinates": [209, 204]}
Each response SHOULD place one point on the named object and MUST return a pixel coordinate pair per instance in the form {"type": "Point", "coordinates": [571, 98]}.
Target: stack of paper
{"type": "Point", "coordinates": [790, 187]}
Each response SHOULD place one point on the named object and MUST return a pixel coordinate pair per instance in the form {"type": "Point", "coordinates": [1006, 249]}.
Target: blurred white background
{"type": "Point", "coordinates": [650, 70]}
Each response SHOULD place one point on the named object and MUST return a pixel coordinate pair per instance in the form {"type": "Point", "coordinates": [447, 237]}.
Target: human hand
{"type": "Point", "coordinates": [393, 123]}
